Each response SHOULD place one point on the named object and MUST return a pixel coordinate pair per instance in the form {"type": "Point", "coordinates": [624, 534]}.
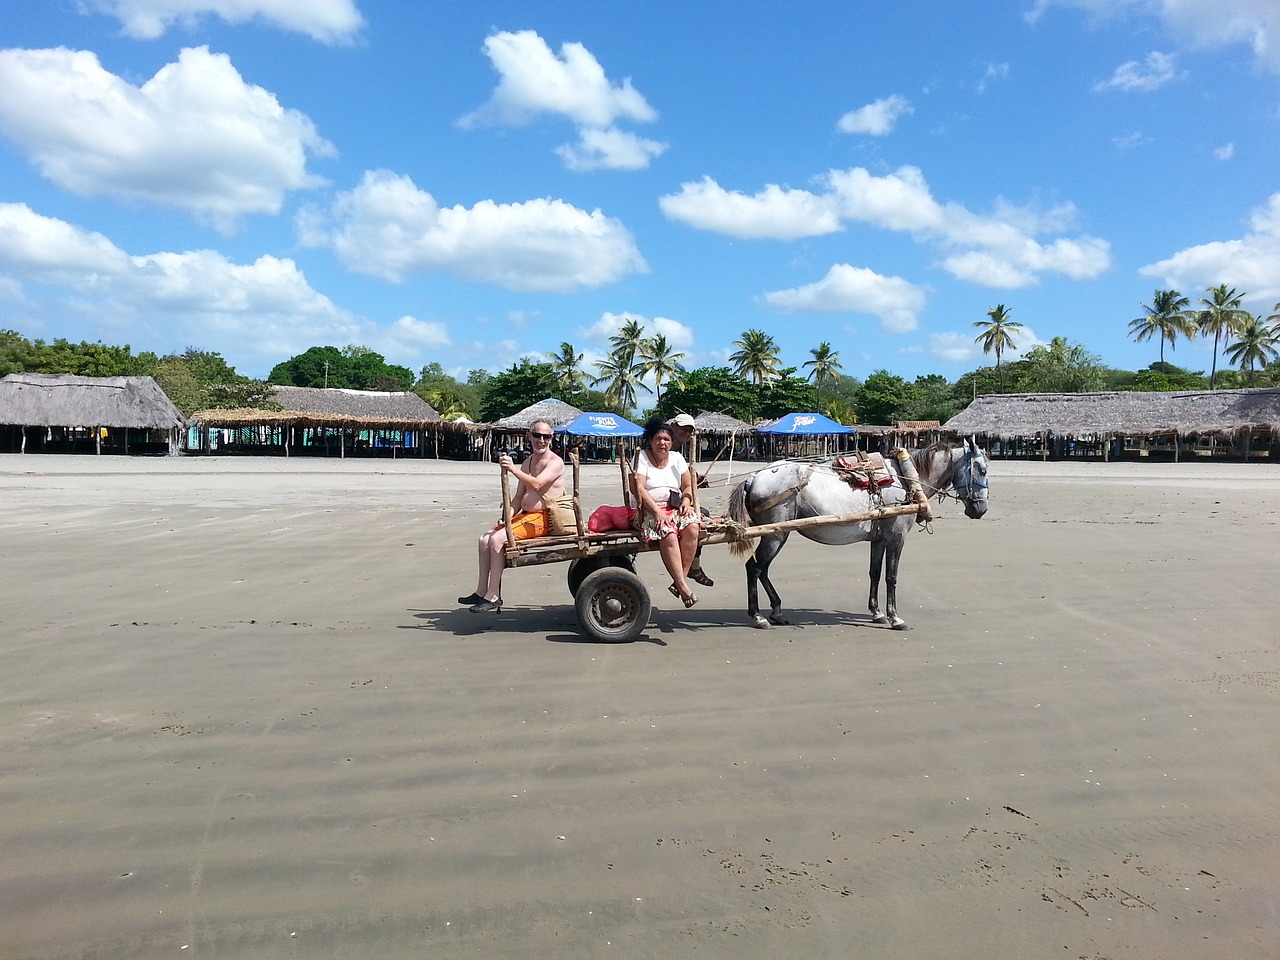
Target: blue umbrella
{"type": "Point", "coordinates": [804, 424]}
{"type": "Point", "coordinates": [600, 425]}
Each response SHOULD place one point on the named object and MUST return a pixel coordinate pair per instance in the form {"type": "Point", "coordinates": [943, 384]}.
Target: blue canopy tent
{"type": "Point", "coordinates": [598, 425]}
{"type": "Point", "coordinates": [805, 424]}
{"type": "Point", "coordinates": [805, 427]}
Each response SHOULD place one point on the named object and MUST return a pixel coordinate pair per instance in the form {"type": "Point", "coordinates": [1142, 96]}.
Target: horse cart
{"type": "Point", "coordinates": [610, 599]}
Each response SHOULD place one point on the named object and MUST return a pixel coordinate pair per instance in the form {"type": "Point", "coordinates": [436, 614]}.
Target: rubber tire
{"type": "Point", "coordinates": [583, 567]}
{"type": "Point", "coordinates": [613, 584]}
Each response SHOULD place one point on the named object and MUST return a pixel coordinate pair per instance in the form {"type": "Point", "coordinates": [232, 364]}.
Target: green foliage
{"type": "Point", "coordinates": [935, 399]}
{"type": "Point", "coordinates": [711, 388]}
{"type": "Point", "coordinates": [1059, 367]}
{"type": "Point", "coordinates": [447, 396]}
{"type": "Point", "coordinates": [514, 389]}
{"type": "Point", "coordinates": [886, 398]}
{"type": "Point", "coordinates": [352, 368]}
{"type": "Point", "coordinates": [84, 359]}
{"type": "Point", "coordinates": [786, 393]}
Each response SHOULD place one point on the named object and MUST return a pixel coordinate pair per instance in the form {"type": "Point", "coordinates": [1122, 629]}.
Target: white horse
{"type": "Point", "coordinates": [789, 490]}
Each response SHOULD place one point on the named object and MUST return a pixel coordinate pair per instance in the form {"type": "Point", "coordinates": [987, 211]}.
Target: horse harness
{"type": "Point", "coordinates": [867, 472]}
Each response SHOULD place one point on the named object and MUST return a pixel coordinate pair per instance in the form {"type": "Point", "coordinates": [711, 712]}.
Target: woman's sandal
{"type": "Point", "coordinates": [688, 601]}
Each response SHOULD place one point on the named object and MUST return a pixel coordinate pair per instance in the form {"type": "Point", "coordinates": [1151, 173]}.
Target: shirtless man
{"type": "Point", "coordinates": [541, 478]}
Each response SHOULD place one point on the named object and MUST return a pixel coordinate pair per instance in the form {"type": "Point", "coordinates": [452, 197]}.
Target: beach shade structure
{"type": "Point", "coordinates": [600, 425]}
{"type": "Point", "coordinates": [804, 424]}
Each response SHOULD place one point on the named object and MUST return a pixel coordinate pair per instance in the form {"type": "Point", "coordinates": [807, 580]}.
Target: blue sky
{"type": "Point", "coordinates": [471, 183]}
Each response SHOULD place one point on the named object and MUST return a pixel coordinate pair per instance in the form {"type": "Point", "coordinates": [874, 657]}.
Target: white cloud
{"type": "Point", "coordinates": [535, 82]}
{"type": "Point", "coordinates": [195, 137]}
{"type": "Point", "coordinates": [419, 333]}
{"type": "Point", "coordinates": [992, 72]}
{"type": "Point", "coordinates": [1251, 264]}
{"type": "Point", "coordinates": [175, 299]}
{"type": "Point", "coordinates": [999, 250]}
{"type": "Point", "coordinates": [849, 289]}
{"type": "Point", "coordinates": [952, 347]}
{"type": "Point", "coordinates": [1225, 152]}
{"type": "Point", "coordinates": [1142, 77]}
{"type": "Point", "coordinates": [777, 213]}
{"type": "Point", "coordinates": [610, 149]}
{"type": "Point", "coordinates": [387, 227]}
{"type": "Point", "coordinates": [1197, 23]}
{"type": "Point", "coordinates": [329, 21]}
{"type": "Point", "coordinates": [679, 335]}
{"type": "Point", "coordinates": [875, 119]}
{"type": "Point", "coordinates": [1131, 140]}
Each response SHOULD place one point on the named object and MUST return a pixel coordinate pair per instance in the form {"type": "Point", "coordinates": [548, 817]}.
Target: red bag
{"type": "Point", "coordinates": [603, 519]}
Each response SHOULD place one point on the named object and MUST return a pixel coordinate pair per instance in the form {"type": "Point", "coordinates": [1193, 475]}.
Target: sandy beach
{"type": "Point", "coordinates": [242, 716]}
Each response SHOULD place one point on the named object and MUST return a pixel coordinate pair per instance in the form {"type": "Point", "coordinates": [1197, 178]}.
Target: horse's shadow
{"type": "Point", "coordinates": [558, 624]}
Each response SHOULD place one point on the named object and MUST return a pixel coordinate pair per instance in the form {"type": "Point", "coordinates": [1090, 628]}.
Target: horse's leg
{"type": "Point", "coordinates": [764, 556]}
{"type": "Point", "coordinates": [894, 543]}
{"type": "Point", "coordinates": [873, 574]}
{"type": "Point", "coordinates": [753, 593]}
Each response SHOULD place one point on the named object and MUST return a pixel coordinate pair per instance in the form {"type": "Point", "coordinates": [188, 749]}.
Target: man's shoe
{"type": "Point", "coordinates": [487, 606]}
{"type": "Point", "coordinates": [471, 600]}
{"type": "Point", "coordinates": [699, 576]}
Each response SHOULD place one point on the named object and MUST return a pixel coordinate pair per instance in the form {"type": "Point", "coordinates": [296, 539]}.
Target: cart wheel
{"type": "Point", "coordinates": [583, 567]}
{"type": "Point", "coordinates": [612, 605]}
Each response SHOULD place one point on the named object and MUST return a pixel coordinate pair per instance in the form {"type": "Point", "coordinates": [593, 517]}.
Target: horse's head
{"type": "Point", "coordinates": [970, 480]}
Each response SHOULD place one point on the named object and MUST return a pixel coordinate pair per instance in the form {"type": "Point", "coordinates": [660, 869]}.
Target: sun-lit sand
{"type": "Point", "coordinates": [241, 715]}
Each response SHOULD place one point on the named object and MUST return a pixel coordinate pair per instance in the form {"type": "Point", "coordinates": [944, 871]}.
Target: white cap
{"type": "Point", "coordinates": [682, 420]}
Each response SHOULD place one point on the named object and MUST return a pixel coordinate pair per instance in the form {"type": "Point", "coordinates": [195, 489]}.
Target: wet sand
{"type": "Point", "coordinates": [240, 715]}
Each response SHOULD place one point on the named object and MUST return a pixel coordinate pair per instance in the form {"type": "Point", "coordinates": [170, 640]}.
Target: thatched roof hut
{"type": "Point", "coordinates": [1235, 414]}
{"type": "Point", "coordinates": [720, 424]}
{"type": "Point", "coordinates": [306, 412]}
{"type": "Point", "coordinates": [68, 403]}
{"type": "Point", "coordinates": [554, 412]}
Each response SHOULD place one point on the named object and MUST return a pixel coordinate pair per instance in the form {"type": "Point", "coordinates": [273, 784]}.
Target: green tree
{"type": "Point", "coordinates": [566, 365]}
{"type": "Point", "coordinates": [1164, 377]}
{"type": "Point", "coordinates": [509, 392]}
{"type": "Point", "coordinates": [886, 398]}
{"type": "Point", "coordinates": [712, 388]}
{"type": "Point", "coordinates": [660, 358]}
{"type": "Point", "coordinates": [620, 377]}
{"type": "Point", "coordinates": [997, 336]}
{"type": "Point", "coordinates": [756, 358]}
{"type": "Point", "coordinates": [1166, 317]}
{"type": "Point", "coordinates": [1255, 346]}
{"type": "Point", "coordinates": [1222, 314]}
{"type": "Point", "coordinates": [825, 364]}
{"type": "Point", "coordinates": [785, 393]}
{"type": "Point", "coordinates": [1059, 367]}
{"type": "Point", "coordinates": [626, 342]}
{"type": "Point", "coordinates": [935, 399]}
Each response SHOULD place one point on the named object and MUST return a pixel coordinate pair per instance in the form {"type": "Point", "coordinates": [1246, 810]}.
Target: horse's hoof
{"type": "Point", "coordinates": [761, 623]}
{"type": "Point", "coordinates": [779, 622]}
{"type": "Point", "coordinates": [880, 619]}
{"type": "Point", "coordinates": [900, 625]}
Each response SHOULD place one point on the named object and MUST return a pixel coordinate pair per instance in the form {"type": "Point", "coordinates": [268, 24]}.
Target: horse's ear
{"type": "Point", "coordinates": [971, 442]}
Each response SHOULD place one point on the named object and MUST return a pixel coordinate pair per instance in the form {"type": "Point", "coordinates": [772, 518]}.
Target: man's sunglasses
{"type": "Point", "coordinates": [542, 436]}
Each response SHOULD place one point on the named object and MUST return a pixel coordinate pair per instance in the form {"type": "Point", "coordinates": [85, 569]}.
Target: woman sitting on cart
{"type": "Point", "coordinates": [663, 488]}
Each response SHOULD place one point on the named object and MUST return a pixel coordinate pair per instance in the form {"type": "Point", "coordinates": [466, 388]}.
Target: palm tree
{"type": "Point", "coordinates": [1256, 344]}
{"type": "Point", "coordinates": [620, 378]}
{"type": "Point", "coordinates": [757, 357]}
{"type": "Point", "coordinates": [1167, 317]}
{"type": "Point", "coordinates": [996, 335]}
{"type": "Point", "coordinates": [628, 339]}
{"type": "Point", "coordinates": [1221, 314]}
{"type": "Point", "coordinates": [661, 360]}
{"type": "Point", "coordinates": [826, 364]}
{"type": "Point", "coordinates": [565, 367]}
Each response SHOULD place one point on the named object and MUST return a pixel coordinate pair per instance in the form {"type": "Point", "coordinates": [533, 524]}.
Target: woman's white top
{"type": "Point", "coordinates": [660, 481]}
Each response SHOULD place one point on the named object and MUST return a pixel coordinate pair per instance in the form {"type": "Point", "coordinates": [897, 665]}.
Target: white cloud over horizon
{"type": "Point", "coordinates": [876, 119]}
{"type": "Point", "coordinates": [534, 82]}
{"type": "Point", "coordinates": [390, 228]}
{"type": "Point", "coordinates": [195, 137]}
{"type": "Point", "coordinates": [849, 289]}
{"type": "Point", "coordinates": [1156, 71]}
{"type": "Point", "coordinates": [328, 21]}
{"type": "Point", "coordinates": [1251, 263]}
{"type": "Point", "coordinates": [996, 250]}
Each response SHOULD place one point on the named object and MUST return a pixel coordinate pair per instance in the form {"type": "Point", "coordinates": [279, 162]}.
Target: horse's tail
{"type": "Point", "coordinates": [739, 513]}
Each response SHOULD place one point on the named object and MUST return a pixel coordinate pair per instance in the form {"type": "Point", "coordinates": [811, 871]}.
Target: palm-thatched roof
{"type": "Point", "coordinates": [1220, 412]}
{"type": "Point", "coordinates": [709, 422]}
{"type": "Point", "coordinates": [64, 400]}
{"type": "Point", "coordinates": [316, 406]}
{"type": "Point", "coordinates": [554, 412]}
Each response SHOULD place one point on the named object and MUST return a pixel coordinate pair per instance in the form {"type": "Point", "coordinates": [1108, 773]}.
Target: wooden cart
{"type": "Point", "coordinates": [611, 601]}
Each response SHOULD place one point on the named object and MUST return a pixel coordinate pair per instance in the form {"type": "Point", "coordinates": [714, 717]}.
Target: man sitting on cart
{"type": "Point", "coordinates": [541, 479]}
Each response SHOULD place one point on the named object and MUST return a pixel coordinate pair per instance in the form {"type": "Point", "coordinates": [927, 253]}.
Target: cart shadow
{"type": "Point", "coordinates": [558, 624]}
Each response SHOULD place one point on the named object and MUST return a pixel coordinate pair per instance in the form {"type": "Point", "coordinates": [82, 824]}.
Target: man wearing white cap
{"type": "Point", "coordinates": [682, 431]}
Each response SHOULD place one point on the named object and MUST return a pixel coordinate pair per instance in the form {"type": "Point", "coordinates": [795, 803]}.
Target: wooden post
{"type": "Point", "coordinates": [907, 467]}
{"type": "Point", "coordinates": [577, 499]}
{"type": "Point", "coordinates": [506, 511]}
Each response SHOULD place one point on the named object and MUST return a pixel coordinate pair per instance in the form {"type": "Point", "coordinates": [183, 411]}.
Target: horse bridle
{"type": "Point", "coordinates": [968, 480]}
